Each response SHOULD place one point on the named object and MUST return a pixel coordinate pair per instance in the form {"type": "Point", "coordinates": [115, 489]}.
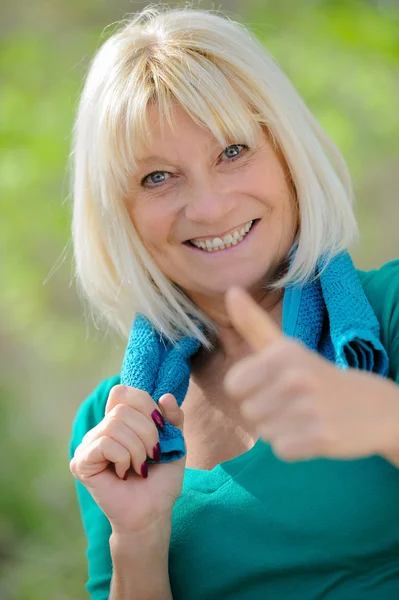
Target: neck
{"type": "Point", "coordinates": [228, 345]}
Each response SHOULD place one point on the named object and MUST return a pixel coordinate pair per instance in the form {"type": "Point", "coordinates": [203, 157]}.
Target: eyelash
{"type": "Point", "coordinates": [244, 146]}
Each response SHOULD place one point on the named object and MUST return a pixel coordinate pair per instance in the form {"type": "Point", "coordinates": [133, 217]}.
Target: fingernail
{"type": "Point", "coordinates": [158, 418]}
{"type": "Point", "coordinates": [144, 470]}
{"type": "Point", "coordinates": [126, 475]}
{"type": "Point", "coordinates": [156, 452]}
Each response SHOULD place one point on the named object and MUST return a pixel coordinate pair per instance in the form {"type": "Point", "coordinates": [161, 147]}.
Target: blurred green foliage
{"type": "Point", "coordinates": [343, 56]}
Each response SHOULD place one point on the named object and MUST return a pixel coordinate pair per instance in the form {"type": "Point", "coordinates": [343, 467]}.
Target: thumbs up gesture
{"type": "Point", "coordinates": [302, 404]}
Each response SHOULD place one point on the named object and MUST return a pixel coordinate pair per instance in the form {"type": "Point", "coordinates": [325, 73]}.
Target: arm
{"type": "Point", "coordinates": [140, 565]}
{"type": "Point", "coordinates": [134, 566]}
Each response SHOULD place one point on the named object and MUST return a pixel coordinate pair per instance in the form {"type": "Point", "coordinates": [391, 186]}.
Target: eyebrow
{"type": "Point", "coordinates": [156, 158]}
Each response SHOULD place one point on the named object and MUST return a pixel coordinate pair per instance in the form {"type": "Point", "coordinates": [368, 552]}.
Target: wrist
{"type": "Point", "coordinates": [140, 562]}
{"type": "Point", "coordinates": [155, 535]}
{"type": "Point", "coordinates": [158, 526]}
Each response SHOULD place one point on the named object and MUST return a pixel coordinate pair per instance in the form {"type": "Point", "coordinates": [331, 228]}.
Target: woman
{"type": "Point", "coordinates": [213, 212]}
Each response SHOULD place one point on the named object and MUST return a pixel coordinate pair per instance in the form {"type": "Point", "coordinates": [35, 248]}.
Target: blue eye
{"type": "Point", "coordinates": [154, 177]}
{"type": "Point", "coordinates": [158, 177]}
{"type": "Point", "coordinates": [235, 148]}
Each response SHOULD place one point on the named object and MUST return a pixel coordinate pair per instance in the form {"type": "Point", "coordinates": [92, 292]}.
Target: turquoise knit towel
{"type": "Point", "coordinates": [331, 316]}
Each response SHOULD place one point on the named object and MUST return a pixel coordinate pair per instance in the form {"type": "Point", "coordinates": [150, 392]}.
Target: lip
{"type": "Point", "coordinates": [218, 235]}
{"type": "Point", "coordinates": [226, 250]}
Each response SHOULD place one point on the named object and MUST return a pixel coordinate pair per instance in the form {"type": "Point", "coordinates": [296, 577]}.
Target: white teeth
{"type": "Point", "coordinates": [230, 239]}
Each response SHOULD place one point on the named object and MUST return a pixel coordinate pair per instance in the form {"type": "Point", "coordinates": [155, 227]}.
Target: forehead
{"type": "Point", "coordinates": [171, 133]}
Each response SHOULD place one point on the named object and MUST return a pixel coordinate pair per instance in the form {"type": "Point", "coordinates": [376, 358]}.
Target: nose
{"type": "Point", "coordinates": [208, 204]}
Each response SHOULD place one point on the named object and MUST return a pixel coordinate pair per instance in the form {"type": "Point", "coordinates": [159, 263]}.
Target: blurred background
{"type": "Point", "coordinates": [343, 56]}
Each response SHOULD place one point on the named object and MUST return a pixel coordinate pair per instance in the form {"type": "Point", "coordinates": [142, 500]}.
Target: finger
{"type": "Point", "coordinates": [292, 448]}
{"type": "Point", "coordinates": [139, 426]}
{"type": "Point", "coordinates": [95, 458]}
{"type": "Point", "coordinates": [261, 408]}
{"type": "Point", "coordinates": [248, 374]}
{"type": "Point", "coordinates": [136, 398]}
{"type": "Point", "coordinates": [250, 320]}
{"type": "Point", "coordinates": [173, 413]}
{"type": "Point", "coordinates": [126, 439]}
{"type": "Point", "coordinates": [123, 435]}
{"type": "Point", "coordinates": [291, 427]}
{"type": "Point", "coordinates": [262, 370]}
{"type": "Point", "coordinates": [127, 426]}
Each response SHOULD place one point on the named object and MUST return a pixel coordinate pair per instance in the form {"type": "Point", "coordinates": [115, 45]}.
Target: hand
{"type": "Point", "coordinates": [110, 457]}
{"type": "Point", "coordinates": [303, 404]}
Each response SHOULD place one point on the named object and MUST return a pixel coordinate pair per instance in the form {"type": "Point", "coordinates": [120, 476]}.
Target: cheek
{"type": "Point", "coordinates": [288, 219]}
{"type": "Point", "coordinates": [287, 204]}
{"type": "Point", "coordinates": [157, 229]}
{"type": "Point", "coordinates": [283, 197]}
{"type": "Point", "coordinates": [283, 214]}
{"type": "Point", "coordinates": [292, 212]}
{"type": "Point", "coordinates": [153, 225]}
{"type": "Point", "coordinates": [289, 210]}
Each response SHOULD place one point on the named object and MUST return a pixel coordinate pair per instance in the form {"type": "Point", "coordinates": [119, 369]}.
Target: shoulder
{"type": "Point", "coordinates": [387, 275]}
{"type": "Point", "coordinates": [381, 287]}
{"type": "Point", "coordinates": [91, 411]}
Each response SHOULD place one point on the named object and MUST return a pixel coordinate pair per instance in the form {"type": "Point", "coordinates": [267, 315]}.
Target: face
{"type": "Point", "coordinates": [189, 192]}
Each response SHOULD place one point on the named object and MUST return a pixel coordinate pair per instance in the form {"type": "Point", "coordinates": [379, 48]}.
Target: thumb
{"type": "Point", "coordinates": [171, 410]}
{"type": "Point", "coordinates": [250, 320]}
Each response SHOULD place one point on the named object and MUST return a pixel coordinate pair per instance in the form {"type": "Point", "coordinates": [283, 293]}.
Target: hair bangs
{"type": "Point", "coordinates": [198, 86]}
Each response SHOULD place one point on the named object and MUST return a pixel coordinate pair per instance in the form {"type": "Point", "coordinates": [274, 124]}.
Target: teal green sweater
{"type": "Point", "coordinates": [257, 527]}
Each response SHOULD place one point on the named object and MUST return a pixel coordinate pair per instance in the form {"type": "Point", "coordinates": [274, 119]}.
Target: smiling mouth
{"type": "Point", "coordinates": [221, 243]}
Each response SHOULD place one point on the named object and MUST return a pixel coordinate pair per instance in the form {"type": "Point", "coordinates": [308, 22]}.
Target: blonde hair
{"type": "Point", "coordinates": [226, 80]}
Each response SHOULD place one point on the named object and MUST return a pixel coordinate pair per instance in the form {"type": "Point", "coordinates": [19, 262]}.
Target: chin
{"type": "Point", "coordinates": [219, 285]}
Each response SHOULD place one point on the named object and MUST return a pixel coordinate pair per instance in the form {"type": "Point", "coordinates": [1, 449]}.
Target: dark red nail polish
{"type": "Point", "coordinates": [144, 470]}
{"type": "Point", "coordinates": [158, 418]}
{"type": "Point", "coordinates": [156, 452]}
{"type": "Point", "coordinates": [126, 475]}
